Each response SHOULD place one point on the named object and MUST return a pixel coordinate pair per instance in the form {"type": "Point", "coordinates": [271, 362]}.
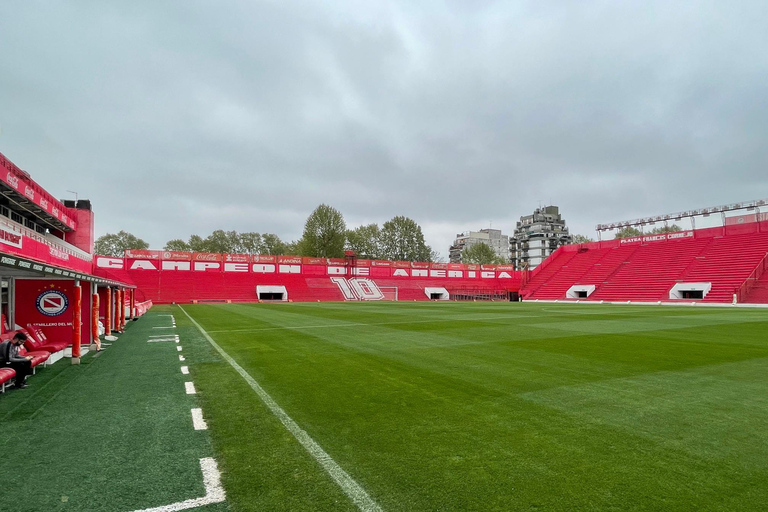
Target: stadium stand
{"type": "Point", "coordinates": [759, 293]}
{"type": "Point", "coordinates": [646, 271]}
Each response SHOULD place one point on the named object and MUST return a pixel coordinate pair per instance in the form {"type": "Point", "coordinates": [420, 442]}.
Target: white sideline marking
{"type": "Point", "coordinates": [178, 348]}
{"type": "Point", "coordinates": [190, 388]}
{"type": "Point", "coordinates": [214, 492]}
{"type": "Point", "coordinates": [185, 370]}
{"type": "Point", "coordinates": [181, 358]}
{"type": "Point", "coordinates": [351, 488]}
{"type": "Point", "coordinates": [171, 327]}
{"type": "Point", "coordinates": [197, 420]}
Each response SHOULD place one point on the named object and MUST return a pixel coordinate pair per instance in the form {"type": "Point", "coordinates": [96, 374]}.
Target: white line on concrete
{"type": "Point", "coordinates": [214, 492]}
{"type": "Point", "coordinates": [178, 347]}
{"type": "Point", "coordinates": [197, 420]}
{"type": "Point", "coordinates": [351, 488]}
{"type": "Point", "coordinates": [190, 386]}
{"type": "Point", "coordinates": [185, 370]}
{"type": "Point", "coordinates": [181, 358]}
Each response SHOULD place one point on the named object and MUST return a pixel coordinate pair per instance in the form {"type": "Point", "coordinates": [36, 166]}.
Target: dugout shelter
{"type": "Point", "coordinates": [46, 267]}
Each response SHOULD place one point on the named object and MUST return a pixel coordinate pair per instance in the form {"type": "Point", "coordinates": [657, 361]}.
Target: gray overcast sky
{"type": "Point", "coordinates": [179, 118]}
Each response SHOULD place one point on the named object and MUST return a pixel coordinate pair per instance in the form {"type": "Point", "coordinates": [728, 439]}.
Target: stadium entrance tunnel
{"type": "Point", "coordinates": [437, 293]}
{"type": "Point", "coordinates": [580, 291]}
{"type": "Point", "coordinates": [690, 290]}
{"type": "Point", "coordinates": [272, 293]}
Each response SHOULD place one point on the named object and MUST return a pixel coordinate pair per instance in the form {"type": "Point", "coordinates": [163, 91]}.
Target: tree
{"type": "Point", "coordinates": [177, 244]}
{"type": "Point", "coordinates": [197, 244]}
{"type": "Point", "coordinates": [628, 232]}
{"type": "Point", "coordinates": [221, 241]}
{"type": "Point", "coordinates": [292, 248]}
{"type": "Point", "coordinates": [581, 239]}
{"type": "Point", "coordinates": [115, 245]}
{"type": "Point", "coordinates": [402, 240]}
{"type": "Point", "coordinates": [250, 243]}
{"type": "Point", "coordinates": [481, 253]}
{"type": "Point", "coordinates": [674, 228]}
{"type": "Point", "coordinates": [365, 241]}
{"type": "Point", "coordinates": [272, 244]}
{"type": "Point", "coordinates": [324, 233]}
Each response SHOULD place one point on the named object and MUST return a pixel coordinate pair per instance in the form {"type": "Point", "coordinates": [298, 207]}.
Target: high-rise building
{"type": "Point", "coordinates": [492, 237]}
{"type": "Point", "coordinates": [537, 236]}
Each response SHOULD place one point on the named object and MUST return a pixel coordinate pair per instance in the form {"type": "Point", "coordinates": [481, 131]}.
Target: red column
{"type": "Point", "coordinates": [108, 313]}
{"type": "Point", "coordinates": [122, 310]}
{"type": "Point", "coordinates": [77, 318]}
{"type": "Point", "coordinates": [95, 321]}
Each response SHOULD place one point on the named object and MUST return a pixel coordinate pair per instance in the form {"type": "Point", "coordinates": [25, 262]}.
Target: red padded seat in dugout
{"type": "Point", "coordinates": [38, 356]}
{"type": "Point", "coordinates": [40, 341]}
{"type": "Point", "coordinates": [6, 374]}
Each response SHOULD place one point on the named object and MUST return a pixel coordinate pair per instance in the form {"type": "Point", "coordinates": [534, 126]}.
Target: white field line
{"type": "Point", "coordinates": [178, 347]}
{"type": "Point", "coordinates": [356, 324]}
{"type": "Point", "coordinates": [171, 327]}
{"type": "Point", "coordinates": [170, 335]}
{"type": "Point", "coordinates": [214, 492]}
{"type": "Point", "coordinates": [181, 358]}
{"type": "Point", "coordinates": [197, 420]}
{"type": "Point", "coordinates": [185, 370]}
{"type": "Point", "coordinates": [190, 387]}
{"type": "Point", "coordinates": [351, 488]}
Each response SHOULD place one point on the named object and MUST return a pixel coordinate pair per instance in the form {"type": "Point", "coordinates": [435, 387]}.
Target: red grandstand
{"type": "Point", "coordinates": [715, 265]}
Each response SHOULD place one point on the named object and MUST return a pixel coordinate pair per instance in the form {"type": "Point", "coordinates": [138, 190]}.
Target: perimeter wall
{"type": "Point", "coordinates": [165, 277]}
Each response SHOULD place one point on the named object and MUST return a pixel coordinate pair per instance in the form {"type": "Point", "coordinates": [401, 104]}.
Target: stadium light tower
{"type": "Point", "coordinates": [691, 214]}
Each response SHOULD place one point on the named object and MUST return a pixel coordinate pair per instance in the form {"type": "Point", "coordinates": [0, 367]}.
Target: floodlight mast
{"type": "Point", "coordinates": [692, 214]}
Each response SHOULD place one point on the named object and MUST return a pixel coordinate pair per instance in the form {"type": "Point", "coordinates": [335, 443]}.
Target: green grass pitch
{"type": "Point", "coordinates": [490, 406]}
{"type": "Point", "coordinates": [426, 406]}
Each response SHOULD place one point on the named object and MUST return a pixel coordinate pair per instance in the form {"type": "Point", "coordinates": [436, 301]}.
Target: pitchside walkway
{"type": "Point", "coordinates": [113, 434]}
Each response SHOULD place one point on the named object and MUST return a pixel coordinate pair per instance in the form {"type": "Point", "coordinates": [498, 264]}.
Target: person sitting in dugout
{"type": "Point", "coordinates": [9, 356]}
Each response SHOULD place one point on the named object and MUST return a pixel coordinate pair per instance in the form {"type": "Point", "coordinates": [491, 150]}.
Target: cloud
{"type": "Point", "coordinates": [177, 119]}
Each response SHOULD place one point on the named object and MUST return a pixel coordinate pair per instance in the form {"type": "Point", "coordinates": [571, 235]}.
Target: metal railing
{"type": "Point", "coordinates": [743, 290]}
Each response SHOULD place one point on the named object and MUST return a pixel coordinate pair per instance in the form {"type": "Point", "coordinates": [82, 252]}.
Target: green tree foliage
{"type": "Point", "coordinates": [250, 243]}
{"type": "Point", "coordinates": [581, 239]}
{"type": "Point", "coordinates": [221, 241]}
{"type": "Point", "coordinates": [674, 228]}
{"type": "Point", "coordinates": [271, 244]}
{"type": "Point", "coordinates": [324, 233]}
{"type": "Point", "coordinates": [177, 244]}
{"type": "Point", "coordinates": [115, 245]}
{"type": "Point", "coordinates": [628, 232]}
{"type": "Point", "coordinates": [481, 253]}
{"type": "Point", "coordinates": [197, 244]}
{"type": "Point", "coordinates": [365, 241]}
{"type": "Point", "coordinates": [402, 240]}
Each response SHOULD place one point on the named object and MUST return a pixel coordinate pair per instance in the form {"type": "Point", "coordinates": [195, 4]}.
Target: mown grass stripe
{"type": "Point", "coordinates": [348, 485]}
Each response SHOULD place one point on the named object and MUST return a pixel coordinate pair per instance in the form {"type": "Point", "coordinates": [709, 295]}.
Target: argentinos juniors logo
{"type": "Point", "coordinates": [52, 303]}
